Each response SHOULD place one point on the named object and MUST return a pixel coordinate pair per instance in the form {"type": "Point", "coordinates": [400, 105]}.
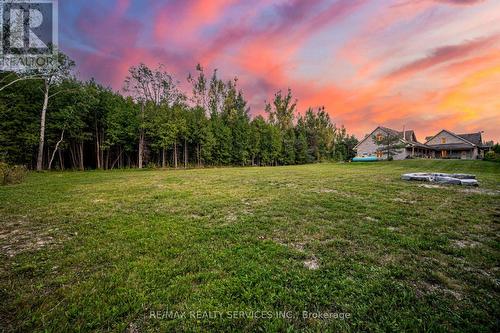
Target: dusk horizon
{"type": "Point", "coordinates": [422, 65]}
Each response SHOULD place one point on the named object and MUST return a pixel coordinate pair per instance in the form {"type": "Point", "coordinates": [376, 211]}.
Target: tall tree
{"type": "Point", "coordinates": [50, 77]}
{"type": "Point", "coordinates": [154, 86]}
{"type": "Point", "coordinates": [389, 144]}
{"type": "Point", "coordinates": [281, 113]}
{"type": "Point", "coordinates": [301, 156]}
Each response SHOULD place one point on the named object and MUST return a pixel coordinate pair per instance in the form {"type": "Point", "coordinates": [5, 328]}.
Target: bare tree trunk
{"type": "Point", "coordinates": [97, 148]}
{"type": "Point", "coordinates": [121, 158]}
{"type": "Point", "coordinates": [72, 154]}
{"type": "Point", "coordinates": [106, 161]}
{"type": "Point", "coordinates": [116, 160]}
{"type": "Point", "coordinates": [163, 158]}
{"type": "Point", "coordinates": [175, 154]}
{"type": "Point", "coordinates": [56, 149]}
{"type": "Point", "coordinates": [39, 162]}
{"type": "Point", "coordinates": [185, 154]}
{"type": "Point", "coordinates": [102, 150]}
{"type": "Point", "coordinates": [141, 138]}
{"type": "Point", "coordinates": [81, 156]}
{"type": "Point", "coordinates": [61, 160]}
{"type": "Point", "coordinates": [198, 160]}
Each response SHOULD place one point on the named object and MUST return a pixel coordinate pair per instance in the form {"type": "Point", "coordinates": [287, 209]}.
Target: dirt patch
{"type": "Point", "coordinates": [312, 264]}
{"type": "Point", "coordinates": [331, 191]}
{"type": "Point", "coordinates": [464, 244]}
{"type": "Point", "coordinates": [387, 259]}
{"type": "Point", "coordinates": [19, 241]}
{"type": "Point", "coordinates": [231, 217]}
{"type": "Point", "coordinates": [326, 190]}
{"type": "Point", "coordinates": [480, 191]}
{"type": "Point", "coordinates": [411, 202]}
{"type": "Point", "coordinates": [23, 235]}
{"type": "Point", "coordinates": [299, 246]}
{"type": "Point", "coordinates": [283, 184]}
{"type": "Point", "coordinates": [424, 288]}
{"type": "Point", "coordinates": [371, 219]}
{"type": "Point", "coordinates": [132, 328]}
{"type": "Point", "coordinates": [431, 186]}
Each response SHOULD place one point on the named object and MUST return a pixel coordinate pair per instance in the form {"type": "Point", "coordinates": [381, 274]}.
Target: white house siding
{"type": "Point", "coordinates": [368, 147]}
{"type": "Point", "coordinates": [471, 153]}
{"type": "Point", "coordinates": [437, 140]}
{"type": "Point", "coordinates": [403, 154]}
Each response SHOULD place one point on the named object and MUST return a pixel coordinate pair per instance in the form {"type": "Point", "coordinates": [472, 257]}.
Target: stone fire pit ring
{"type": "Point", "coordinates": [442, 178]}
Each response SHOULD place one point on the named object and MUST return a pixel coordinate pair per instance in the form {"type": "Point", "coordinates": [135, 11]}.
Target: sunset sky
{"type": "Point", "coordinates": [423, 64]}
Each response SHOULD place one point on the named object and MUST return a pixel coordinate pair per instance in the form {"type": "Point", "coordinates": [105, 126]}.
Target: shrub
{"type": "Point", "coordinates": [12, 174]}
{"type": "Point", "coordinates": [492, 156]}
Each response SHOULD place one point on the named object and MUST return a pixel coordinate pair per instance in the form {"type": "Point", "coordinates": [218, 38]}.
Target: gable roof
{"type": "Point", "coordinates": [474, 138]}
{"type": "Point", "coordinates": [453, 134]}
{"type": "Point", "coordinates": [409, 136]}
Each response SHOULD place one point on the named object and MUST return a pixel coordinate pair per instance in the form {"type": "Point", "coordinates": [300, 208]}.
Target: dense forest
{"type": "Point", "coordinates": [52, 120]}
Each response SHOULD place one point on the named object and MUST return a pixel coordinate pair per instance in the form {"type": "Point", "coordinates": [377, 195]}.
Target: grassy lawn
{"type": "Point", "coordinates": [102, 250]}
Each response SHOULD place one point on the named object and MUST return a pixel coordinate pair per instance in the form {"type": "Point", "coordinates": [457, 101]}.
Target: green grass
{"type": "Point", "coordinates": [99, 251]}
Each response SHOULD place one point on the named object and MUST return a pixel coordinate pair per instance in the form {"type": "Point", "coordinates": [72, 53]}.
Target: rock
{"type": "Point", "coordinates": [469, 182]}
{"type": "Point", "coordinates": [442, 178]}
{"type": "Point", "coordinates": [447, 180]}
{"type": "Point", "coordinates": [463, 176]}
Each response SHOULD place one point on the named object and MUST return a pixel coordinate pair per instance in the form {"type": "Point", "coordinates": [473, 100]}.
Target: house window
{"type": "Point", "coordinates": [443, 140]}
{"type": "Point", "coordinates": [379, 137]}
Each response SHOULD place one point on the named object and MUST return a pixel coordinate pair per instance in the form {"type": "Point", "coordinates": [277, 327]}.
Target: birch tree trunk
{"type": "Point", "coordinates": [56, 149]}
{"type": "Point", "coordinates": [39, 162]}
{"type": "Point", "coordinates": [164, 158]}
{"type": "Point", "coordinates": [97, 149]}
{"type": "Point", "coordinates": [81, 156]}
{"type": "Point", "coordinates": [198, 159]}
{"type": "Point", "coordinates": [141, 138]}
{"type": "Point", "coordinates": [185, 154]}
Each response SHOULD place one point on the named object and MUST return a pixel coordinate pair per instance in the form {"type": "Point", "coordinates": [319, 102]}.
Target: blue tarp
{"type": "Point", "coordinates": [365, 159]}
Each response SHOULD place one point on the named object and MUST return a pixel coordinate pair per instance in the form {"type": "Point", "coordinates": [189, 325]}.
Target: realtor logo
{"type": "Point", "coordinates": [29, 34]}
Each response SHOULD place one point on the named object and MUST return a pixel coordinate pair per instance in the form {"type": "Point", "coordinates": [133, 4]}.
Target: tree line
{"type": "Point", "coordinates": [52, 120]}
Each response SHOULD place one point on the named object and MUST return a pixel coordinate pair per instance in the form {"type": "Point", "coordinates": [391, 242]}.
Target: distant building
{"type": "Point", "coordinates": [445, 144]}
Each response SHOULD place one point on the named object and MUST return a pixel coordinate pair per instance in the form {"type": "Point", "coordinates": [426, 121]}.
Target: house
{"type": "Point", "coordinates": [411, 146]}
{"type": "Point", "coordinates": [445, 144]}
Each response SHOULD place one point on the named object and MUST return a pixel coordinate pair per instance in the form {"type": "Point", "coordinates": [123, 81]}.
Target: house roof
{"type": "Point", "coordinates": [469, 140]}
{"type": "Point", "coordinates": [465, 141]}
{"type": "Point", "coordinates": [409, 136]}
{"type": "Point", "coordinates": [474, 138]}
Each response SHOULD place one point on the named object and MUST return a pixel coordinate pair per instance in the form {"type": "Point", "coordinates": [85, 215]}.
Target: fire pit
{"type": "Point", "coordinates": [442, 178]}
